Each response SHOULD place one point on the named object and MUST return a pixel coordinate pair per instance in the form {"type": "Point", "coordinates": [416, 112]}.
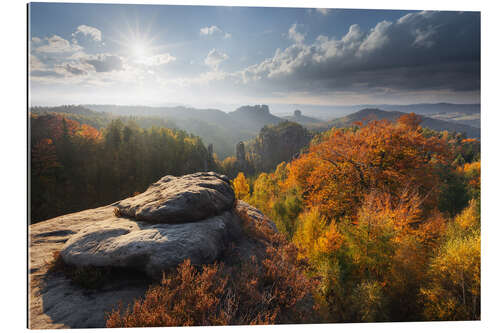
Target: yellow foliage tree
{"type": "Point", "coordinates": [241, 186]}
{"type": "Point", "coordinates": [454, 290]}
{"type": "Point", "coordinates": [315, 236]}
{"type": "Point", "coordinates": [472, 173]}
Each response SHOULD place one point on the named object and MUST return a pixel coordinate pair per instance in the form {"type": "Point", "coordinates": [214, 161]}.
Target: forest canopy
{"type": "Point", "coordinates": [384, 217]}
{"type": "Point", "coordinates": [387, 214]}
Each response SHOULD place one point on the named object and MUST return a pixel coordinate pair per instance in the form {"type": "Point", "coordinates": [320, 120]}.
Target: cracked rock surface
{"type": "Point", "coordinates": [181, 199]}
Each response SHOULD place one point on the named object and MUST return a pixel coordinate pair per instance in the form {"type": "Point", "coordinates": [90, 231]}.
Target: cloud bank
{"type": "Point", "coordinates": [426, 50]}
{"type": "Point", "coordinates": [419, 54]}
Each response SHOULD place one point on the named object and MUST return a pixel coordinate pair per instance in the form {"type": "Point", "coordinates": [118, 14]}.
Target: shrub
{"type": "Point", "coordinates": [183, 299]}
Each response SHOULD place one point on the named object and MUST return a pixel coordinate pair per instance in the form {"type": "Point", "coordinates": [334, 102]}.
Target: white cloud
{"type": "Point", "coordinates": [323, 11]}
{"type": "Point", "coordinates": [88, 31]}
{"type": "Point", "coordinates": [214, 30]}
{"type": "Point", "coordinates": [57, 44]}
{"type": "Point", "coordinates": [36, 40]}
{"type": "Point", "coordinates": [214, 58]}
{"type": "Point", "coordinates": [294, 35]}
{"type": "Point", "coordinates": [157, 60]}
{"type": "Point", "coordinates": [377, 37]}
{"type": "Point", "coordinates": [36, 64]}
{"type": "Point", "coordinates": [210, 30]}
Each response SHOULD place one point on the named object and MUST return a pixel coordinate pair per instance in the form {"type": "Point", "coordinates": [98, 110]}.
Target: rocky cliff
{"type": "Point", "coordinates": [276, 144]}
{"type": "Point", "coordinates": [190, 217]}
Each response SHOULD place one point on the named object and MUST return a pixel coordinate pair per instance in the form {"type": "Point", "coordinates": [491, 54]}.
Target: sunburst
{"type": "Point", "coordinates": [137, 42]}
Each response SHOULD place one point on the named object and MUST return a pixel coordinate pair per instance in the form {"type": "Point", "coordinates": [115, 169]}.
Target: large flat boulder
{"type": "Point", "coordinates": [183, 199]}
{"type": "Point", "coordinates": [151, 248]}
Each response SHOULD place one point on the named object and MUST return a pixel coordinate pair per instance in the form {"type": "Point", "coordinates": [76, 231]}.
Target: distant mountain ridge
{"type": "Point", "coordinates": [223, 130]}
{"type": "Point", "coordinates": [367, 115]}
{"type": "Point", "coordinates": [468, 114]}
{"type": "Point", "coordinates": [254, 117]}
{"type": "Point", "coordinates": [299, 118]}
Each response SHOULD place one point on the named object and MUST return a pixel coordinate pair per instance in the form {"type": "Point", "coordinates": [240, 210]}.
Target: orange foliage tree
{"type": "Point", "coordinates": [348, 163]}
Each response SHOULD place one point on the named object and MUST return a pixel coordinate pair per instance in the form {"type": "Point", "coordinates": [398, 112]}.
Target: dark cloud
{"type": "Point", "coordinates": [74, 70]}
{"type": "Point", "coordinates": [105, 63]}
{"type": "Point", "coordinates": [420, 51]}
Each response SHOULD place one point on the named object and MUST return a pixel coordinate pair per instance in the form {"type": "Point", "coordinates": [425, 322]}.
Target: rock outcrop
{"type": "Point", "coordinates": [177, 218]}
{"type": "Point", "coordinates": [276, 144]}
{"type": "Point", "coordinates": [150, 248]}
{"type": "Point", "coordinates": [180, 199]}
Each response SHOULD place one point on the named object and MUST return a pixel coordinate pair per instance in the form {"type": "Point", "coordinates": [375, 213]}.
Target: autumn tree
{"type": "Point", "coordinates": [453, 291]}
{"type": "Point", "coordinates": [346, 164]}
{"type": "Point", "coordinates": [241, 186]}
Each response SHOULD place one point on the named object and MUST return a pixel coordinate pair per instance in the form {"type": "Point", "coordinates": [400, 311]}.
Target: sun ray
{"type": "Point", "coordinates": [136, 40]}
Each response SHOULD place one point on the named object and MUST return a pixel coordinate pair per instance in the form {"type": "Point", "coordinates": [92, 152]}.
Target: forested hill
{"type": "Point", "coordinates": [79, 113]}
{"type": "Point", "coordinates": [177, 112]}
{"type": "Point", "coordinates": [367, 115]}
{"type": "Point", "coordinates": [253, 117]}
{"type": "Point", "coordinates": [100, 120]}
{"type": "Point", "coordinates": [223, 130]}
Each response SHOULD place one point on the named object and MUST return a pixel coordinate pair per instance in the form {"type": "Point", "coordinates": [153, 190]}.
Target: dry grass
{"type": "Point", "coordinates": [116, 212]}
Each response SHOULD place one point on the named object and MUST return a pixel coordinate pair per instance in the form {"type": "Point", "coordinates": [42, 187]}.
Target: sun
{"type": "Point", "coordinates": [139, 49]}
{"type": "Point", "coordinates": [136, 42]}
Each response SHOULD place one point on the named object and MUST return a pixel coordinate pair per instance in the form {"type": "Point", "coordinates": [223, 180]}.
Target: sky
{"type": "Point", "coordinates": [221, 57]}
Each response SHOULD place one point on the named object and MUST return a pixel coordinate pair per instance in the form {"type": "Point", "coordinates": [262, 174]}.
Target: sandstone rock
{"type": "Point", "coordinates": [54, 302]}
{"type": "Point", "coordinates": [181, 199]}
{"type": "Point", "coordinates": [276, 144]}
{"type": "Point", "coordinates": [150, 248]}
{"type": "Point", "coordinates": [98, 237]}
{"type": "Point", "coordinates": [256, 214]}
